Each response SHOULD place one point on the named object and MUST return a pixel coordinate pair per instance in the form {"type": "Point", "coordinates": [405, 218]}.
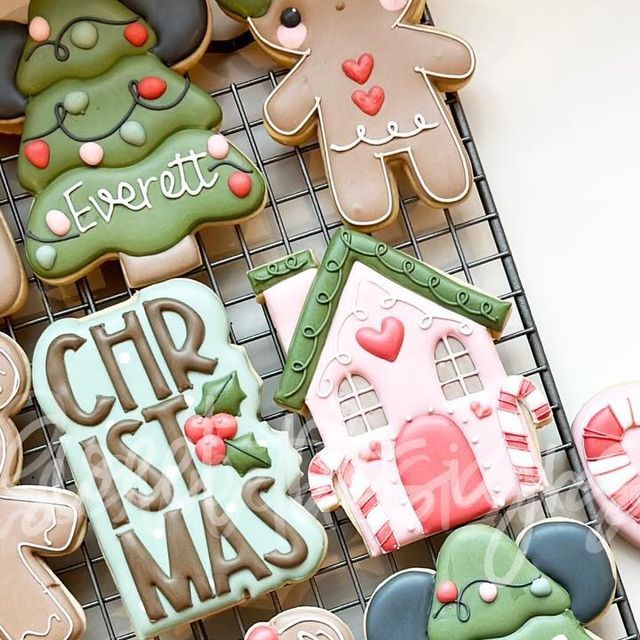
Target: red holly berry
{"type": "Point", "coordinates": [196, 428]}
{"type": "Point", "coordinates": [240, 184]}
{"type": "Point", "coordinates": [151, 87]}
{"type": "Point", "coordinates": [447, 592]}
{"type": "Point", "coordinates": [211, 450]}
{"type": "Point", "coordinates": [136, 34]}
{"type": "Point", "coordinates": [38, 153]}
{"type": "Point", "coordinates": [262, 632]}
{"type": "Point", "coordinates": [225, 426]}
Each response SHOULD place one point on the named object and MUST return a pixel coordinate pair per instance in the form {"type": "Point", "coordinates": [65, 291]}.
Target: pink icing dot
{"type": "Point", "coordinates": [393, 5]}
{"type": "Point", "coordinates": [291, 38]}
{"type": "Point", "coordinates": [91, 153]}
{"type": "Point", "coordinates": [39, 29]}
{"type": "Point", "coordinates": [58, 223]}
{"type": "Point", "coordinates": [218, 147]}
{"type": "Point", "coordinates": [488, 592]}
{"type": "Point", "coordinates": [240, 184]}
{"type": "Point", "coordinates": [262, 632]}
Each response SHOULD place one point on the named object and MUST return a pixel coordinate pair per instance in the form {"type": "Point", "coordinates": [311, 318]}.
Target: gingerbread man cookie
{"type": "Point", "coordinates": [12, 275]}
{"type": "Point", "coordinates": [37, 523]}
{"type": "Point", "coordinates": [303, 623]}
{"type": "Point", "coordinates": [186, 488]}
{"type": "Point", "coordinates": [184, 30]}
{"type": "Point", "coordinates": [423, 428]}
{"type": "Point", "coordinates": [556, 578]}
{"type": "Point", "coordinates": [369, 80]}
{"type": "Point", "coordinates": [119, 149]}
{"type": "Point", "coordinates": [606, 432]}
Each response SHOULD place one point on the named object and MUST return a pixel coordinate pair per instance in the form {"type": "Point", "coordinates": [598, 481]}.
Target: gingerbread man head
{"type": "Point", "coordinates": [369, 81]}
{"type": "Point", "coordinates": [303, 623]}
{"type": "Point", "coordinates": [36, 523]}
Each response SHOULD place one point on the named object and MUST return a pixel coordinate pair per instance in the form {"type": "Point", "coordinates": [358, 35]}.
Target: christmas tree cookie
{"type": "Point", "coordinates": [187, 490]}
{"type": "Point", "coordinates": [119, 149]}
{"type": "Point", "coordinates": [557, 577]}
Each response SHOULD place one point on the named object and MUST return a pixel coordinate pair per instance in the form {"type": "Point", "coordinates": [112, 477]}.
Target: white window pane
{"type": "Point", "coordinates": [441, 351]}
{"type": "Point", "coordinates": [361, 383]}
{"type": "Point", "coordinates": [455, 345]}
{"type": "Point", "coordinates": [473, 384]}
{"type": "Point", "coordinates": [453, 390]}
{"type": "Point", "coordinates": [356, 426]}
{"type": "Point", "coordinates": [369, 399]}
{"type": "Point", "coordinates": [349, 407]}
{"type": "Point", "coordinates": [465, 364]}
{"type": "Point", "coordinates": [446, 371]}
{"type": "Point", "coordinates": [376, 419]}
{"type": "Point", "coordinates": [344, 389]}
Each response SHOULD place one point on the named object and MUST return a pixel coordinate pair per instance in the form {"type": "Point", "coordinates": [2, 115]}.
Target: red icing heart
{"type": "Point", "coordinates": [359, 71]}
{"type": "Point", "coordinates": [373, 452]}
{"type": "Point", "coordinates": [386, 343]}
{"type": "Point", "coordinates": [369, 101]}
{"type": "Point", "coordinates": [38, 153]}
{"type": "Point", "coordinates": [482, 411]}
{"type": "Point", "coordinates": [151, 87]}
{"type": "Point", "coordinates": [439, 470]}
{"type": "Point", "coordinates": [136, 34]}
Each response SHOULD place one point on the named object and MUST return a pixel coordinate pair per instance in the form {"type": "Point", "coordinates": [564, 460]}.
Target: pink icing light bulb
{"type": "Point", "coordinates": [91, 153]}
{"type": "Point", "coordinates": [447, 592]}
{"type": "Point", "coordinates": [218, 147]}
{"type": "Point", "coordinates": [39, 29]}
{"type": "Point", "coordinates": [58, 223]}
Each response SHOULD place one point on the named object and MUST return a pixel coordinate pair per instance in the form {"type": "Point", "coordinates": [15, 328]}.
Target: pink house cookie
{"type": "Point", "coordinates": [608, 441]}
{"type": "Point", "coordinates": [423, 428]}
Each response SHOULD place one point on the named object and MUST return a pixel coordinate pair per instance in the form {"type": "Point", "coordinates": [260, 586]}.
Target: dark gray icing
{"type": "Point", "coordinates": [13, 37]}
{"type": "Point", "coordinates": [400, 608]}
{"type": "Point", "coordinates": [180, 25]}
{"type": "Point", "coordinates": [573, 555]}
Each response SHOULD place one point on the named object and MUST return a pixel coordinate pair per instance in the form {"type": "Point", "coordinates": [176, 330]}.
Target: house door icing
{"type": "Point", "coordinates": [440, 473]}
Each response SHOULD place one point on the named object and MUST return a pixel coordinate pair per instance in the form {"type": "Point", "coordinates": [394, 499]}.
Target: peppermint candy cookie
{"type": "Point", "coordinates": [303, 623]}
{"type": "Point", "coordinates": [369, 81]}
{"type": "Point", "coordinates": [186, 488]}
{"type": "Point", "coordinates": [556, 578]}
{"type": "Point", "coordinates": [119, 149]}
{"type": "Point", "coordinates": [37, 523]}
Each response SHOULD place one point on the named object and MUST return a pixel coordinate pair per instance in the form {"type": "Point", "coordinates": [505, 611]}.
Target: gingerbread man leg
{"type": "Point", "coordinates": [363, 188]}
{"type": "Point", "coordinates": [438, 166]}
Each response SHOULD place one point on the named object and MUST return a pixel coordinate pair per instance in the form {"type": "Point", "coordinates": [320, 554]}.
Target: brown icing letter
{"type": "Point", "coordinates": [373, 94]}
{"type": "Point", "coordinates": [37, 522]}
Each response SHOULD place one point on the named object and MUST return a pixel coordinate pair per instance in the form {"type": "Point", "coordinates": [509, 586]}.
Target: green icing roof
{"type": "Point", "coordinates": [345, 249]}
{"type": "Point", "coordinates": [269, 275]}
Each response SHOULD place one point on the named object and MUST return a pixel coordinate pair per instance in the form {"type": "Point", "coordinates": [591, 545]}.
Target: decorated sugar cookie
{"type": "Point", "coordinates": [14, 280]}
{"type": "Point", "coordinates": [606, 435]}
{"type": "Point", "coordinates": [557, 577]}
{"type": "Point", "coordinates": [119, 150]}
{"type": "Point", "coordinates": [183, 32]}
{"type": "Point", "coordinates": [185, 487]}
{"type": "Point", "coordinates": [423, 428]}
{"type": "Point", "coordinates": [368, 80]}
{"type": "Point", "coordinates": [303, 623]}
{"type": "Point", "coordinates": [37, 523]}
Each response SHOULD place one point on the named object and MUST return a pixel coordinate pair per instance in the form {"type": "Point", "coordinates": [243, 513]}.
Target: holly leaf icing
{"type": "Point", "coordinates": [224, 395]}
{"type": "Point", "coordinates": [244, 454]}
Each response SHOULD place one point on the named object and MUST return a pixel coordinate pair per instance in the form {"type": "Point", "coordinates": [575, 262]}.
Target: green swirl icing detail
{"type": "Point", "coordinates": [345, 249]}
{"type": "Point", "coordinates": [269, 275]}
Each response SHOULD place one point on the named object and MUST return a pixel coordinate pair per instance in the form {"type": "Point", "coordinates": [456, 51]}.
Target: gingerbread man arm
{"type": "Point", "coordinates": [448, 60]}
{"type": "Point", "coordinates": [290, 108]}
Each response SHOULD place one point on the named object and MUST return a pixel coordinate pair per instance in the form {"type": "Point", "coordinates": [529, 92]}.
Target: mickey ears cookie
{"type": "Point", "coordinates": [12, 275]}
{"type": "Point", "coordinates": [303, 623]}
{"type": "Point", "coordinates": [372, 92]}
{"type": "Point", "coordinates": [557, 577]}
{"type": "Point", "coordinates": [183, 31]}
{"type": "Point", "coordinates": [119, 150]}
{"type": "Point", "coordinates": [605, 432]}
{"type": "Point", "coordinates": [38, 523]}
{"type": "Point", "coordinates": [186, 488]}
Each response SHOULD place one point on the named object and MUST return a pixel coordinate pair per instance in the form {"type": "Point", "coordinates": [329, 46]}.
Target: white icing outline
{"type": "Point", "coordinates": [30, 545]}
{"type": "Point", "coordinates": [317, 107]}
{"type": "Point", "coordinates": [307, 635]}
{"type": "Point", "coordinates": [394, 133]}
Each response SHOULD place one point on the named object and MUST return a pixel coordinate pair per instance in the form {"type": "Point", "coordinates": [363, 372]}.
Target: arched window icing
{"type": "Point", "coordinates": [456, 370]}
{"type": "Point", "coordinates": [360, 406]}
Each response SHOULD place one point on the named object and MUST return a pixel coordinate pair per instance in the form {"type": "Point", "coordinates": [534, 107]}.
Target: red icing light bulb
{"type": "Point", "coordinates": [240, 184]}
{"type": "Point", "coordinates": [225, 426]}
{"type": "Point", "coordinates": [447, 592]}
{"type": "Point", "coordinates": [211, 450]}
{"type": "Point", "coordinates": [151, 87]}
{"type": "Point", "coordinates": [38, 153]}
{"type": "Point", "coordinates": [262, 632]}
{"type": "Point", "coordinates": [136, 34]}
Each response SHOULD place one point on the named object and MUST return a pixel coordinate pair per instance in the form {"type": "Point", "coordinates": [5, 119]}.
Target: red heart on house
{"type": "Point", "coordinates": [38, 153]}
{"type": "Point", "coordinates": [359, 71]}
{"type": "Point", "coordinates": [481, 410]}
{"type": "Point", "coordinates": [386, 343]}
{"type": "Point", "coordinates": [373, 452]}
{"type": "Point", "coordinates": [370, 102]}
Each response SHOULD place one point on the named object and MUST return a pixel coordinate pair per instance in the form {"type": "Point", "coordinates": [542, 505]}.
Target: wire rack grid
{"type": "Point", "coordinates": [468, 241]}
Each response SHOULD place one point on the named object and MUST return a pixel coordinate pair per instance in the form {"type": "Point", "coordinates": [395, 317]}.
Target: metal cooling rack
{"type": "Point", "coordinates": [467, 241]}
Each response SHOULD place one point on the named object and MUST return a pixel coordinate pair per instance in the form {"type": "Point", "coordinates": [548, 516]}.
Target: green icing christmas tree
{"type": "Point", "coordinates": [119, 149]}
{"type": "Point", "coordinates": [486, 588]}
